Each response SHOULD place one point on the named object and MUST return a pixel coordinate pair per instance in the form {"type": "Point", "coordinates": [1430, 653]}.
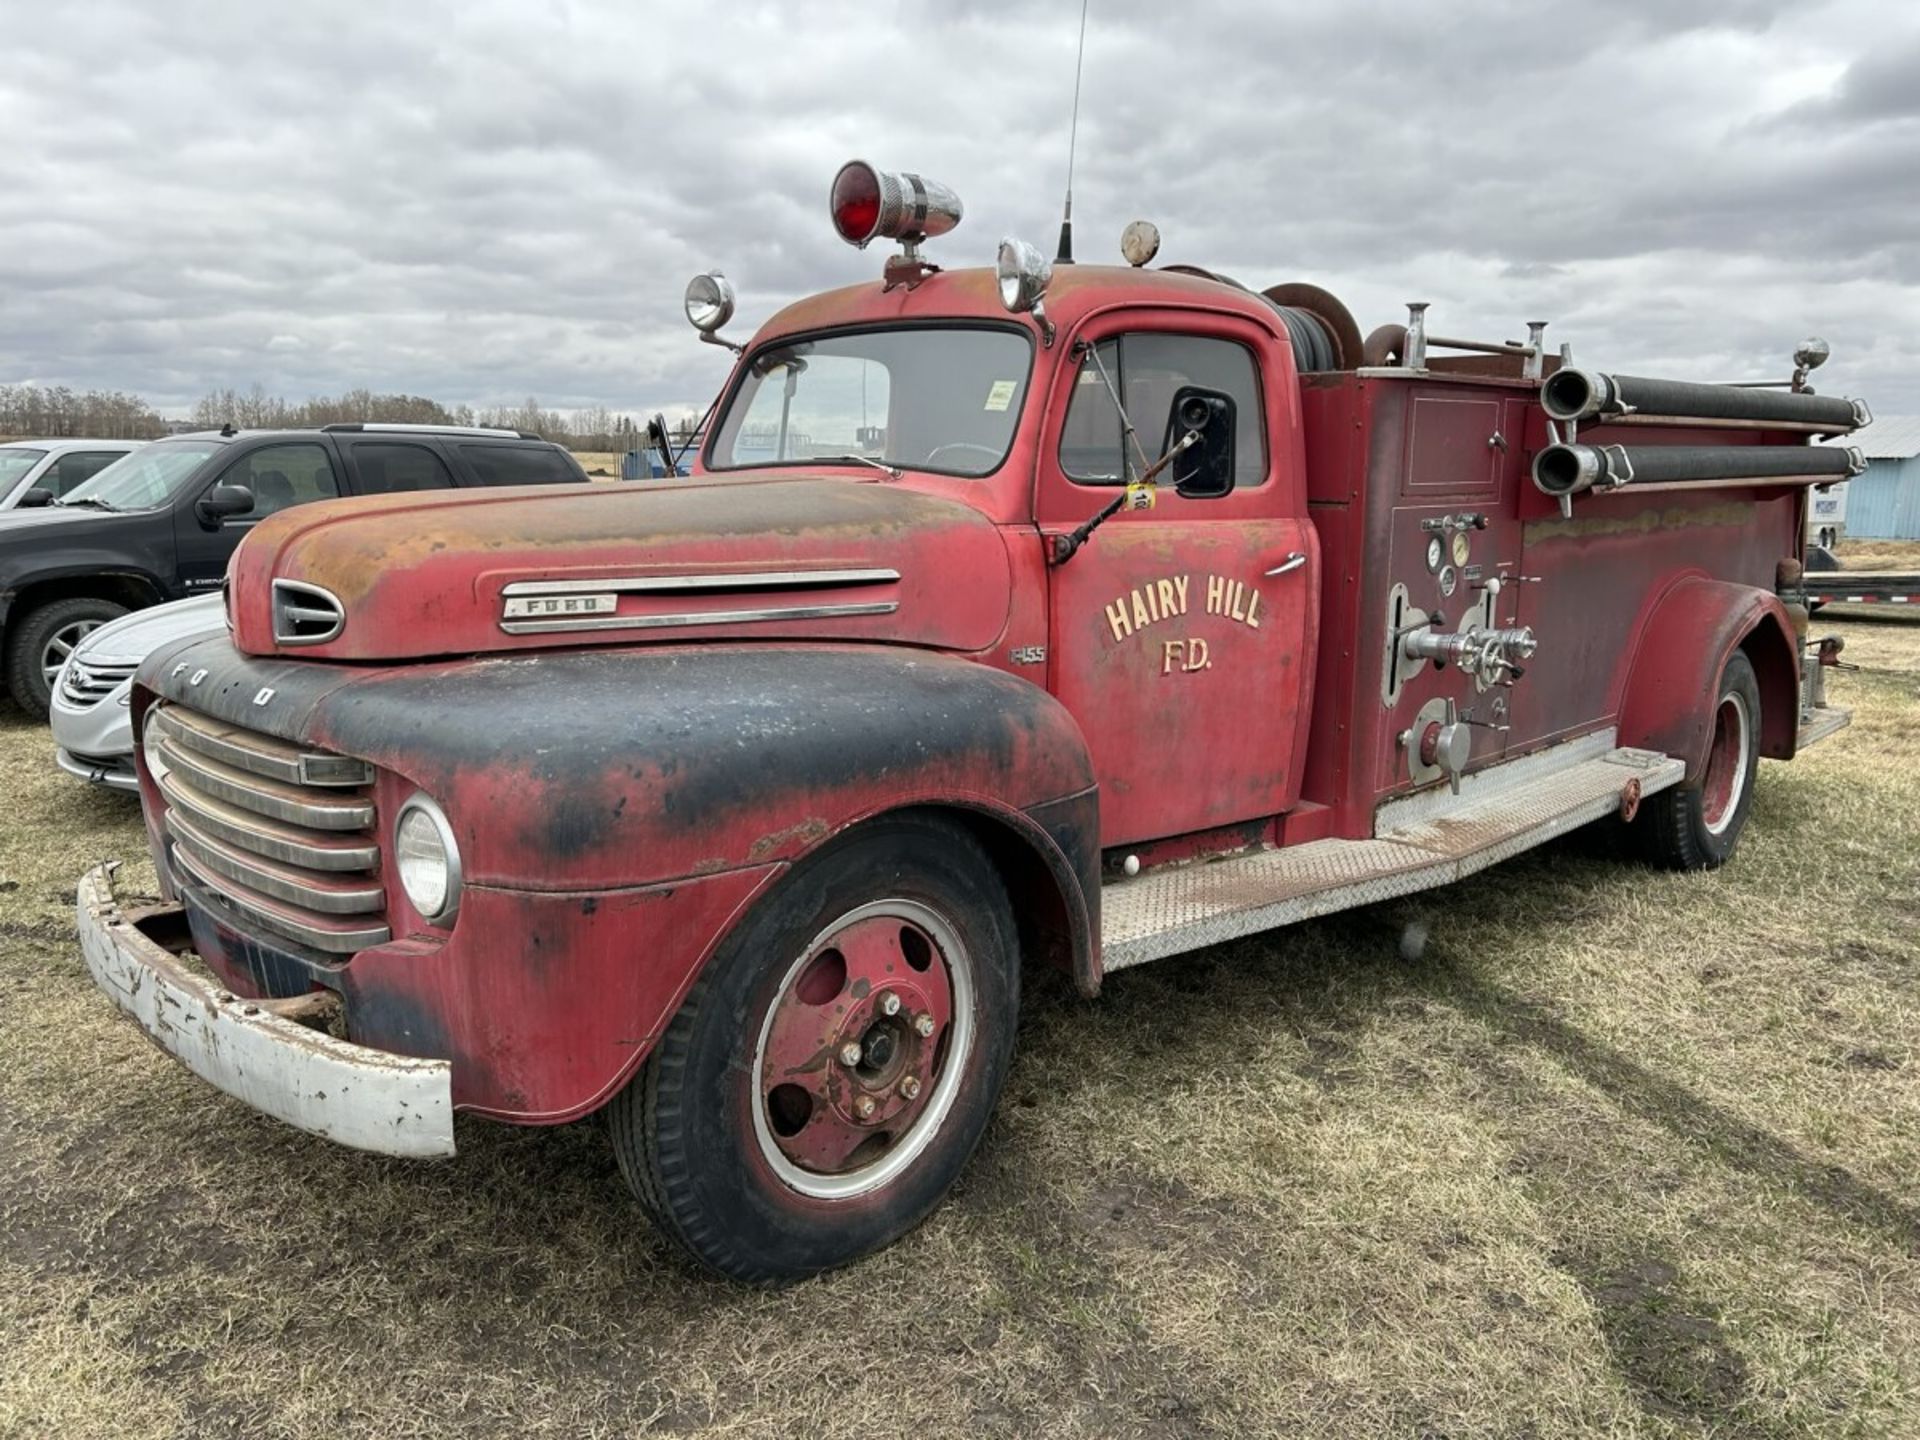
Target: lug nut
{"type": "Point", "coordinates": [923, 1025]}
{"type": "Point", "coordinates": [889, 1003]}
{"type": "Point", "coordinates": [910, 1087]}
{"type": "Point", "coordinates": [850, 1054]}
{"type": "Point", "coordinates": [863, 1107]}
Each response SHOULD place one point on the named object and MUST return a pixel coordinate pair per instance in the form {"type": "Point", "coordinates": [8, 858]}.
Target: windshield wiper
{"type": "Point", "coordinates": [93, 500]}
{"type": "Point", "coordinates": [894, 470]}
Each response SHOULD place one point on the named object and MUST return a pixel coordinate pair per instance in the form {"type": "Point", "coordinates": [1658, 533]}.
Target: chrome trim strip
{"type": "Point", "coordinates": [262, 836]}
{"type": "Point", "coordinates": [258, 754]}
{"type": "Point", "coordinates": [279, 884]}
{"type": "Point", "coordinates": [333, 941]}
{"type": "Point", "coordinates": [745, 580]}
{"type": "Point", "coordinates": [269, 798]}
{"type": "Point", "coordinates": [710, 617]}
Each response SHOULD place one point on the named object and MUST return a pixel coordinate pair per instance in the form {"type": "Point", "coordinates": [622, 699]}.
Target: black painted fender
{"type": "Point", "coordinates": [601, 769]}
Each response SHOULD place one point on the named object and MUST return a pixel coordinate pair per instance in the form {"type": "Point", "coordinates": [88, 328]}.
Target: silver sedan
{"type": "Point", "coordinates": [92, 725]}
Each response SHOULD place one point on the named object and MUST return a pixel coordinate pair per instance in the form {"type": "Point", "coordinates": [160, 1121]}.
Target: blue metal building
{"type": "Point", "coordinates": [1884, 503]}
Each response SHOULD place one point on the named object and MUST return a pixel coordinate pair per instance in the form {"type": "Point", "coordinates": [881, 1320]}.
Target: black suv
{"type": "Point", "coordinates": [161, 523]}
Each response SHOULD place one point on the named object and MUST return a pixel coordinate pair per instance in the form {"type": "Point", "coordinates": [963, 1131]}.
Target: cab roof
{"type": "Point", "coordinates": [1075, 291]}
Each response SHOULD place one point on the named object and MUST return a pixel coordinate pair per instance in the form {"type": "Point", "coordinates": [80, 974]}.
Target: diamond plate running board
{"type": "Point", "coordinates": [1186, 907]}
{"type": "Point", "coordinates": [1827, 720]}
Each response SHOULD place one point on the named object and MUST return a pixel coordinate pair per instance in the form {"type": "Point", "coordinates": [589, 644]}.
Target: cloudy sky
{"type": "Point", "coordinates": [483, 201]}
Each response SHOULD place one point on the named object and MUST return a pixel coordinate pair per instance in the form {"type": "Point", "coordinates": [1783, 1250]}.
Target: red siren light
{"type": "Point", "coordinates": [869, 204]}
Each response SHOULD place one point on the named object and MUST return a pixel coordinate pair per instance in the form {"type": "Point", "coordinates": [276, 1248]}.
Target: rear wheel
{"type": "Point", "coordinates": [1697, 826]}
{"type": "Point", "coordinates": [42, 642]}
{"type": "Point", "coordinates": [829, 1074]}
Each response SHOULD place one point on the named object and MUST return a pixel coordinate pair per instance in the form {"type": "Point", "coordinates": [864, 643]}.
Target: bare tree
{"type": "Point", "coordinates": [56, 412]}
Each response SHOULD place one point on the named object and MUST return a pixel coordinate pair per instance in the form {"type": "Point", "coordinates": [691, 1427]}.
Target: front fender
{"type": "Point", "coordinates": [1667, 701]}
{"type": "Point", "coordinates": [637, 800]}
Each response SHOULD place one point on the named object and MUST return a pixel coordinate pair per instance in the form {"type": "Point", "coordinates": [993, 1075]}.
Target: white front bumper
{"type": "Point", "coordinates": [116, 774]}
{"type": "Point", "coordinates": [368, 1099]}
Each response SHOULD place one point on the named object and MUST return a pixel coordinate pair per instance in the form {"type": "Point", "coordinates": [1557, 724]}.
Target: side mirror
{"type": "Point", "coordinates": [222, 502]}
{"type": "Point", "coordinates": [1204, 470]}
{"type": "Point", "coordinates": [658, 442]}
{"type": "Point", "coordinates": [34, 499]}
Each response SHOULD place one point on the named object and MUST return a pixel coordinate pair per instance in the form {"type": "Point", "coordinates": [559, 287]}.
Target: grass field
{"type": "Point", "coordinates": [1620, 1154]}
{"type": "Point", "coordinates": [1863, 554]}
{"type": "Point", "coordinates": [600, 464]}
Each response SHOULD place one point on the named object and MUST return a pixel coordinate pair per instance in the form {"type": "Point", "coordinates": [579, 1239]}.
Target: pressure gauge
{"type": "Point", "coordinates": [1435, 554]}
{"type": "Point", "coordinates": [1462, 547]}
{"type": "Point", "coordinates": [1449, 578]}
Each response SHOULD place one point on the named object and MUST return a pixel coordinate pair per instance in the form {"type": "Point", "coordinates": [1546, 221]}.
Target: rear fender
{"type": "Point", "coordinates": [1667, 702]}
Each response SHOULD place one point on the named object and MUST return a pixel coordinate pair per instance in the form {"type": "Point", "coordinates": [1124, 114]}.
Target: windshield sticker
{"type": "Point", "coordinates": [1000, 394]}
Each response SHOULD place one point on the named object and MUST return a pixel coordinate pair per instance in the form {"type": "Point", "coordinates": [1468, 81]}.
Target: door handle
{"type": "Point", "coordinates": [1293, 562]}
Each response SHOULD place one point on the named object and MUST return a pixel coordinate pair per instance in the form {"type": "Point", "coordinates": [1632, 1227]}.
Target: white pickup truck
{"type": "Point", "coordinates": [1827, 515]}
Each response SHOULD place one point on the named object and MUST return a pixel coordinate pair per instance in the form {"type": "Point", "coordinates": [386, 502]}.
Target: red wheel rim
{"type": "Point", "coordinates": [861, 1049]}
{"type": "Point", "coordinates": [1726, 777]}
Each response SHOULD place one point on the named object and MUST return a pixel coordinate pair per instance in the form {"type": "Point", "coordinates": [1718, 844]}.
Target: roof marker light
{"type": "Point", "coordinates": [868, 204]}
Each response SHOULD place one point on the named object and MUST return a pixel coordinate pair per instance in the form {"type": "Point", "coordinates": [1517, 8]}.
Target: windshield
{"type": "Point", "coordinates": [15, 463]}
{"type": "Point", "coordinates": [146, 478]}
{"type": "Point", "coordinates": [943, 399]}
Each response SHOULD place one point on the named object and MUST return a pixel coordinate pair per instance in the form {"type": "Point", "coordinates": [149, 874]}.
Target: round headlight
{"type": "Point", "coordinates": [428, 860]}
{"type": "Point", "coordinates": [150, 746]}
{"type": "Point", "coordinates": [1023, 273]}
{"type": "Point", "coordinates": [709, 301]}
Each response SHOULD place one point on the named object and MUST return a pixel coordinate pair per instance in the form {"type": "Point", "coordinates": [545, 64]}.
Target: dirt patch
{"type": "Point", "coordinates": [1667, 1341]}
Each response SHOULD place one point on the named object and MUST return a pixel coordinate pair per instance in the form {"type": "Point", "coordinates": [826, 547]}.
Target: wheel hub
{"type": "Point", "coordinates": [1726, 774]}
{"type": "Point", "coordinates": [858, 1042]}
{"type": "Point", "coordinates": [61, 644]}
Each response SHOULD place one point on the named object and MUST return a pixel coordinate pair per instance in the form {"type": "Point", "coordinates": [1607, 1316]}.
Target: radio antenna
{"type": "Point", "coordinates": [1065, 257]}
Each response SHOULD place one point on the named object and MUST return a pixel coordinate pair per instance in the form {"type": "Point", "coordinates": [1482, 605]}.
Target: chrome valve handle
{"type": "Point", "coordinates": [1476, 650]}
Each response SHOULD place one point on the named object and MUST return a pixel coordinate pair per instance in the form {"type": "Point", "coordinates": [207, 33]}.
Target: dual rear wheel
{"type": "Point", "coordinates": [1697, 825]}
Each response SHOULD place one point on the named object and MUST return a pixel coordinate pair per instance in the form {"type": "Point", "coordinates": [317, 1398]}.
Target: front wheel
{"type": "Point", "coordinates": [833, 1068]}
{"type": "Point", "coordinates": [1697, 826]}
{"type": "Point", "coordinates": [44, 639]}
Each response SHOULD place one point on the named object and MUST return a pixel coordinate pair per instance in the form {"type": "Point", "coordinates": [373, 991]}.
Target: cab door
{"type": "Point", "coordinates": [1181, 634]}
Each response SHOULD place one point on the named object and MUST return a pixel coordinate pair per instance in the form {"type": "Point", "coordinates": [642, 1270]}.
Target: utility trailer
{"type": "Point", "coordinates": [1862, 587]}
{"type": "Point", "coordinates": [1051, 613]}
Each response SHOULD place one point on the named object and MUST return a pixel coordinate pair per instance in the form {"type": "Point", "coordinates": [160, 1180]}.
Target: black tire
{"type": "Point", "coordinates": [36, 640]}
{"type": "Point", "coordinates": [692, 1129]}
{"type": "Point", "coordinates": [1696, 826]}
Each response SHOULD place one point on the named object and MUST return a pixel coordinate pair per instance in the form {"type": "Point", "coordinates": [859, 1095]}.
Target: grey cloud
{"type": "Point", "coordinates": [490, 200]}
{"type": "Point", "coordinates": [1879, 86]}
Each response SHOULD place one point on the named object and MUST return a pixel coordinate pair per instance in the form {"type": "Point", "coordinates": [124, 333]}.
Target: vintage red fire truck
{"type": "Point", "coordinates": [1039, 614]}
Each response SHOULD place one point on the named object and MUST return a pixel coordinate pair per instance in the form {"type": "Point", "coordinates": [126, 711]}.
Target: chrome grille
{"type": "Point", "coordinates": [84, 684]}
{"type": "Point", "coordinates": [282, 835]}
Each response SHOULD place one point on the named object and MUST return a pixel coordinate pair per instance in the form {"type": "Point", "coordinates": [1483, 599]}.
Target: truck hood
{"type": "Point", "coordinates": [15, 521]}
{"type": "Point", "coordinates": [413, 576]}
